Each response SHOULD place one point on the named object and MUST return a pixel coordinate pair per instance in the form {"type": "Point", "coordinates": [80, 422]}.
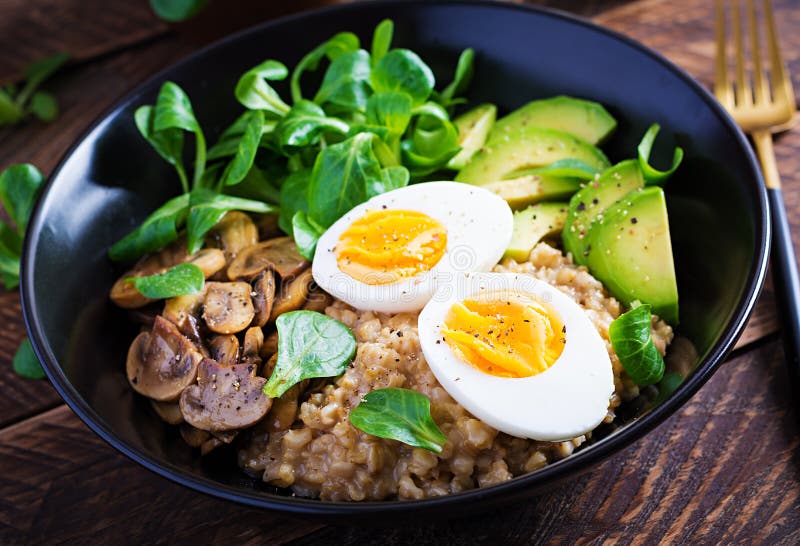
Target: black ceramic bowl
{"type": "Point", "coordinates": [111, 179]}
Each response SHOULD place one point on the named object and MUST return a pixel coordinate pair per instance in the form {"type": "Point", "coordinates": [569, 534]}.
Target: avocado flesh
{"type": "Point", "coordinates": [630, 252]}
{"type": "Point", "coordinates": [473, 129]}
{"type": "Point", "coordinates": [594, 198]}
{"type": "Point", "coordinates": [529, 147]}
{"type": "Point", "coordinates": [533, 224]}
{"type": "Point", "coordinates": [584, 119]}
{"type": "Point", "coordinates": [528, 190]}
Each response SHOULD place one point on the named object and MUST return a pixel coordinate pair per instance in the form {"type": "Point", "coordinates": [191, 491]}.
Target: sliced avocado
{"type": "Point", "coordinates": [630, 251]}
{"type": "Point", "coordinates": [527, 190]}
{"type": "Point", "coordinates": [473, 128]}
{"type": "Point", "coordinates": [568, 168]}
{"type": "Point", "coordinates": [527, 148]}
{"type": "Point", "coordinates": [532, 225]}
{"type": "Point", "coordinates": [584, 119]}
{"type": "Point", "coordinates": [594, 198]}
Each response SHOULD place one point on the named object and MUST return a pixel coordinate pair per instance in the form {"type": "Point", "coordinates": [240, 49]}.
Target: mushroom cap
{"type": "Point", "coordinates": [280, 255]}
{"type": "Point", "coordinates": [228, 307]}
{"type": "Point", "coordinates": [170, 412]}
{"type": "Point", "coordinates": [234, 232]}
{"type": "Point", "coordinates": [161, 363]}
{"type": "Point", "coordinates": [225, 397]}
{"type": "Point", "coordinates": [224, 349]}
{"type": "Point", "coordinates": [263, 296]}
{"type": "Point", "coordinates": [292, 294]}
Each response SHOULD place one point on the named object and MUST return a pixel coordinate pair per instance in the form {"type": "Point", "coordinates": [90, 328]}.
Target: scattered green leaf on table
{"type": "Point", "coordinates": [176, 11]}
{"type": "Point", "coordinates": [310, 345]}
{"type": "Point", "coordinates": [399, 414]}
{"type": "Point", "coordinates": [19, 189]}
{"type": "Point", "coordinates": [180, 280]}
{"type": "Point", "coordinates": [25, 362]}
{"type": "Point", "coordinates": [44, 106]}
{"type": "Point", "coordinates": [632, 341]}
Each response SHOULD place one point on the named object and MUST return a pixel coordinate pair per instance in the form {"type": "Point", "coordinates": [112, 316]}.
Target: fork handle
{"type": "Point", "coordinates": [787, 283]}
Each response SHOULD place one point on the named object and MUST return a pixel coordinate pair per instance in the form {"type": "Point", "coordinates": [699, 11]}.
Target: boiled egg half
{"type": "Point", "coordinates": [391, 253]}
{"type": "Point", "coordinates": [518, 354]}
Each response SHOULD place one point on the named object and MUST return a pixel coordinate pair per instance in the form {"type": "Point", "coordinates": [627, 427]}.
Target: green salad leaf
{"type": "Point", "coordinates": [399, 414]}
{"type": "Point", "coordinates": [402, 70]}
{"type": "Point", "coordinates": [293, 198]}
{"type": "Point", "coordinates": [382, 39]}
{"type": "Point", "coordinates": [305, 125]}
{"type": "Point", "coordinates": [668, 384]}
{"type": "Point", "coordinates": [346, 82]}
{"type": "Point", "coordinates": [650, 173]}
{"type": "Point", "coordinates": [462, 78]}
{"type": "Point", "coordinates": [25, 362]}
{"type": "Point", "coordinates": [255, 93]}
{"type": "Point", "coordinates": [310, 345]}
{"type": "Point", "coordinates": [157, 231]}
{"type": "Point", "coordinates": [20, 186]}
{"type": "Point", "coordinates": [338, 45]}
{"type": "Point", "coordinates": [179, 280]}
{"type": "Point", "coordinates": [167, 143]}
{"type": "Point", "coordinates": [306, 234]}
{"type": "Point", "coordinates": [632, 341]}
{"type": "Point", "coordinates": [207, 207]}
{"type": "Point", "coordinates": [246, 149]}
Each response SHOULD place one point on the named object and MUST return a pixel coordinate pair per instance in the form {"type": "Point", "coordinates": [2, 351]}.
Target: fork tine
{"type": "Point", "coordinates": [760, 84]}
{"type": "Point", "coordinates": [722, 86]}
{"type": "Point", "coordinates": [743, 92]}
{"type": "Point", "coordinates": [781, 83]}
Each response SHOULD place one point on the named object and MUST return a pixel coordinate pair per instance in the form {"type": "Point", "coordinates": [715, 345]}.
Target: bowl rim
{"type": "Point", "coordinates": [516, 487]}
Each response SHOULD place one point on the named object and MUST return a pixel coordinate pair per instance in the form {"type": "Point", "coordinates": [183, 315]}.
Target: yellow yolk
{"type": "Point", "coordinates": [508, 334]}
{"type": "Point", "coordinates": [387, 245]}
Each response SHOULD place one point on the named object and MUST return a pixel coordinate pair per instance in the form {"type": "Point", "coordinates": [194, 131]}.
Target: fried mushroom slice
{"type": "Point", "coordinates": [234, 232]}
{"type": "Point", "coordinates": [270, 345]}
{"type": "Point", "coordinates": [284, 410]}
{"type": "Point", "coordinates": [318, 300]}
{"type": "Point", "coordinates": [225, 398]}
{"type": "Point", "coordinates": [170, 412]}
{"type": "Point", "coordinates": [253, 340]}
{"type": "Point", "coordinates": [184, 312]}
{"type": "Point", "coordinates": [194, 436]}
{"type": "Point", "coordinates": [224, 349]}
{"type": "Point", "coordinates": [279, 255]}
{"type": "Point", "coordinates": [227, 307]}
{"type": "Point", "coordinates": [210, 445]}
{"type": "Point", "coordinates": [263, 296]}
{"type": "Point", "coordinates": [161, 363]}
{"type": "Point", "coordinates": [292, 294]}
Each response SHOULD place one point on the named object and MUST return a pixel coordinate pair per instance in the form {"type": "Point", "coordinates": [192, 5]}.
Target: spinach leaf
{"type": "Point", "coordinates": [434, 140]}
{"type": "Point", "coordinates": [179, 280]}
{"type": "Point", "coordinates": [294, 198]}
{"type": "Point", "coordinates": [390, 109]}
{"type": "Point", "coordinates": [242, 162]}
{"type": "Point", "coordinates": [19, 189]}
{"type": "Point", "coordinates": [207, 207]}
{"type": "Point", "coordinates": [167, 143]}
{"type": "Point", "coordinates": [391, 178]}
{"type": "Point", "coordinates": [338, 45]}
{"type": "Point", "coordinates": [44, 106]}
{"type": "Point", "coordinates": [173, 111]}
{"type": "Point", "coordinates": [631, 339]}
{"type": "Point", "coordinates": [176, 11]}
{"type": "Point", "coordinates": [462, 78]}
{"type": "Point", "coordinates": [399, 414]}
{"type": "Point", "coordinates": [304, 125]}
{"type": "Point", "coordinates": [25, 362]}
{"type": "Point", "coordinates": [382, 40]}
{"type": "Point", "coordinates": [306, 234]}
{"type": "Point", "coordinates": [310, 344]}
{"type": "Point", "coordinates": [157, 231]}
{"type": "Point", "coordinates": [342, 177]}
{"type": "Point", "coordinates": [9, 269]}
{"type": "Point", "coordinates": [668, 384]}
{"type": "Point", "coordinates": [651, 174]}
{"type": "Point", "coordinates": [402, 70]}
{"type": "Point", "coordinates": [255, 93]}
{"type": "Point", "coordinates": [346, 82]}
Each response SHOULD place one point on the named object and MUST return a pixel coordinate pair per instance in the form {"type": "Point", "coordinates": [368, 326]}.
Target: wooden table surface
{"type": "Point", "coordinates": [723, 468]}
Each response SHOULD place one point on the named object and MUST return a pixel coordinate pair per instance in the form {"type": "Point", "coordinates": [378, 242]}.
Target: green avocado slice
{"type": "Point", "coordinates": [533, 224]}
{"type": "Point", "coordinates": [629, 249]}
{"type": "Point", "coordinates": [593, 199]}
{"type": "Point", "coordinates": [527, 148]}
{"type": "Point", "coordinates": [527, 190]}
{"type": "Point", "coordinates": [473, 128]}
{"type": "Point", "coordinates": [584, 119]}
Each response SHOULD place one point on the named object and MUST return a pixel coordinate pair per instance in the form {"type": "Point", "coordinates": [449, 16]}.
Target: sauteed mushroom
{"type": "Point", "coordinates": [183, 312]}
{"type": "Point", "coordinates": [233, 233]}
{"type": "Point", "coordinates": [162, 363]}
{"type": "Point", "coordinates": [279, 254]}
{"type": "Point", "coordinates": [170, 412]}
{"type": "Point", "coordinates": [228, 307]}
{"type": "Point", "coordinates": [292, 294]}
{"type": "Point", "coordinates": [210, 445]}
{"type": "Point", "coordinates": [268, 227]}
{"type": "Point", "coordinates": [253, 340]}
{"type": "Point", "coordinates": [224, 349]}
{"type": "Point", "coordinates": [318, 300]}
{"type": "Point", "coordinates": [125, 295]}
{"type": "Point", "coordinates": [270, 346]}
{"type": "Point", "coordinates": [263, 297]}
{"type": "Point", "coordinates": [284, 410]}
{"type": "Point", "coordinates": [225, 398]}
{"type": "Point", "coordinates": [194, 436]}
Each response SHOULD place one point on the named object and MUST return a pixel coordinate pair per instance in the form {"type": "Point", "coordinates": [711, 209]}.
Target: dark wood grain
{"type": "Point", "coordinates": [724, 469]}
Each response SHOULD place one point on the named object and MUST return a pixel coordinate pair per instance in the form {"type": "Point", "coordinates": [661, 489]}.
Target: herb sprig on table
{"type": "Point", "coordinates": [16, 104]}
{"type": "Point", "coordinates": [374, 123]}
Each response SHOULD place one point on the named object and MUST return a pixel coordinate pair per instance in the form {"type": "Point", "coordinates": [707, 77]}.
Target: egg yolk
{"type": "Point", "coordinates": [388, 245]}
{"type": "Point", "coordinates": [507, 334]}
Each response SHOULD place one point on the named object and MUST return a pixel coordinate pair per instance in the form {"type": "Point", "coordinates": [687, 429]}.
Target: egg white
{"type": "Point", "coordinates": [479, 226]}
{"type": "Point", "coordinates": [565, 401]}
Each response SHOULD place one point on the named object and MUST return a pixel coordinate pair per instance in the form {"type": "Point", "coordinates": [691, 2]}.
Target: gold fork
{"type": "Point", "coordinates": [762, 102]}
